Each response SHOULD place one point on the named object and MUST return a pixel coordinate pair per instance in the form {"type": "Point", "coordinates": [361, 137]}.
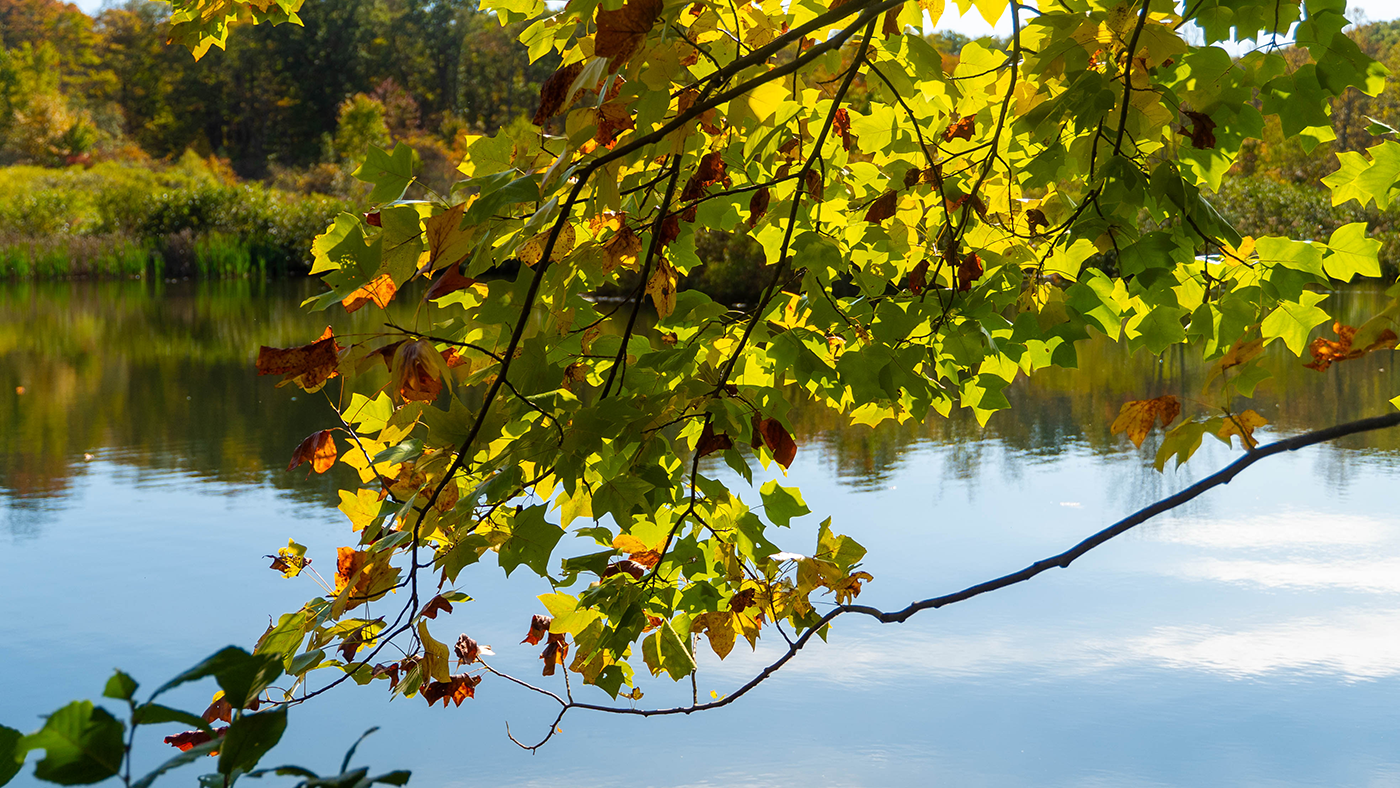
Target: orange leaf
{"type": "Point", "coordinates": [539, 627]}
{"type": "Point", "coordinates": [220, 709]}
{"type": "Point", "coordinates": [318, 449]}
{"type": "Point", "coordinates": [841, 124]}
{"type": "Point", "coordinates": [370, 574]}
{"type": "Point", "coordinates": [1137, 416]}
{"type": "Point", "coordinates": [554, 653]}
{"type": "Point", "coordinates": [1242, 424]}
{"type": "Point", "coordinates": [190, 739]}
{"type": "Point", "coordinates": [962, 130]}
{"type": "Point", "coordinates": [1325, 351]}
{"type": "Point", "coordinates": [621, 32]}
{"type": "Point", "coordinates": [309, 366]}
{"type": "Point", "coordinates": [380, 290]}
{"type": "Point", "coordinates": [417, 367]}
{"type": "Point", "coordinates": [457, 689]}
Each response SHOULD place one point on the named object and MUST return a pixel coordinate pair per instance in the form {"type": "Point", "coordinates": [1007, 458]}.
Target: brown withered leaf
{"type": "Point", "coordinates": [309, 366]}
{"type": "Point", "coordinates": [318, 449]}
{"type": "Point", "coordinates": [912, 176]}
{"type": "Point", "coordinates": [457, 689]}
{"type": "Point", "coordinates": [626, 566]}
{"type": "Point", "coordinates": [416, 371]}
{"type": "Point", "coordinates": [847, 588]}
{"type": "Point", "coordinates": [613, 118]}
{"type": "Point", "coordinates": [918, 278]}
{"type": "Point", "coordinates": [371, 574]}
{"type": "Point", "coordinates": [841, 124]}
{"type": "Point", "coordinates": [711, 170]}
{"type": "Point", "coordinates": [883, 208]}
{"type": "Point", "coordinates": [1242, 424]}
{"type": "Point", "coordinates": [373, 220]}
{"type": "Point", "coordinates": [969, 271]}
{"type": "Point", "coordinates": [758, 205]}
{"type": "Point", "coordinates": [719, 630]}
{"type": "Point", "coordinates": [621, 32]}
{"type": "Point", "coordinates": [890, 27]}
{"type": "Point", "coordinates": [956, 204]}
{"type": "Point", "coordinates": [962, 130]}
{"type": "Point", "coordinates": [1137, 416]}
{"type": "Point", "coordinates": [1202, 131]}
{"type": "Point", "coordinates": [188, 740]}
{"type": "Point", "coordinates": [814, 186]}
{"type": "Point", "coordinates": [1326, 352]}
{"type": "Point", "coordinates": [554, 653]}
{"type": "Point", "coordinates": [449, 281]}
{"type": "Point", "coordinates": [379, 291]}
{"type": "Point", "coordinates": [554, 92]}
{"type": "Point", "coordinates": [710, 442]}
{"type": "Point", "coordinates": [391, 670]}
{"type": "Point", "coordinates": [662, 288]}
{"type": "Point", "coordinates": [623, 248]}
{"type": "Point", "coordinates": [742, 600]}
{"type": "Point", "coordinates": [670, 230]}
{"type": "Point", "coordinates": [539, 627]}
{"type": "Point", "coordinates": [778, 441]}
{"type": "Point", "coordinates": [647, 559]}
{"type": "Point", "coordinates": [453, 357]}
{"type": "Point", "coordinates": [436, 605]}
{"type": "Point", "coordinates": [467, 650]}
{"type": "Point", "coordinates": [219, 710]}
{"type": "Point", "coordinates": [1036, 218]}
{"type": "Point", "coordinates": [351, 644]}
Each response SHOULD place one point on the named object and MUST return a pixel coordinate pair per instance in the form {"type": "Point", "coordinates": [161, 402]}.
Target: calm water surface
{"type": "Point", "coordinates": [1251, 639]}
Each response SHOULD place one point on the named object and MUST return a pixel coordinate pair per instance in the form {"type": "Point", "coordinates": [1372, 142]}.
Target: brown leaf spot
{"type": "Point", "coordinates": [553, 93]}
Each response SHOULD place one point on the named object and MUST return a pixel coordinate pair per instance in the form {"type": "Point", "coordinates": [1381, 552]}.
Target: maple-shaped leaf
{"type": "Point", "coordinates": [775, 436]}
{"type": "Point", "coordinates": [1242, 424]}
{"type": "Point", "coordinates": [710, 442]}
{"type": "Point", "coordinates": [456, 689]}
{"type": "Point", "coordinates": [1326, 352]}
{"type": "Point", "coordinates": [466, 650]}
{"type": "Point", "coordinates": [539, 627]}
{"type": "Point", "coordinates": [448, 244]}
{"type": "Point", "coordinates": [371, 575]}
{"type": "Point", "coordinates": [621, 32]}
{"type": "Point", "coordinates": [758, 206]}
{"type": "Point", "coordinates": [883, 208]}
{"type": "Point", "coordinates": [554, 92]}
{"type": "Point", "coordinates": [309, 366]}
{"type": "Point", "coordinates": [962, 130]}
{"type": "Point", "coordinates": [662, 288]}
{"type": "Point", "coordinates": [318, 449]}
{"type": "Point", "coordinates": [1202, 131]}
{"type": "Point", "coordinates": [418, 369]}
{"type": "Point", "coordinates": [190, 739]}
{"type": "Point", "coordinates": [969, 271]}
{"type": "Point", "coordinates": [847, 588]}
{"type": "Point", "coordinates": [379, 291]}
{"type": "Point", "coordinates": [918, 278]}
{"type": "Point", "coordinates": [555, 651]}
{"type": "Point", "coordinates": [1137, 416]}
{"type": "Point", "coordinates": [436, 605]}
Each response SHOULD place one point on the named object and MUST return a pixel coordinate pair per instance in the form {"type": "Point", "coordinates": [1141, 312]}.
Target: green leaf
{"type": "Point", "coordinates": [664, 650]}
{"type": "Point", "coordinates": [1181, 442]}
{"type": "Point", "coordinates": [241, 675]}
{"type": "Point", "coordinates": [781, 504]}
{"type": "Point", "coordinates": [155, 714]}
{"type": "Point", "coordinates": [531, 541]}
{"type": "Point", "coordinates": [249, 738]}
{"type": "Point", "coordinates": [1292, 321]}
{"type": "Point", "coordinates": [408, 450]}
{"type": "Point", "coordinates": [391, 173]}
{"type": "Point", "coordinates": [1352, 253]}
{"type": "Point", "coordinates": [841, 550]}
{"type": "Point", "coordinates": [11, 753]}
{"type": "Point", "coordinates": [120, 686]}
{"type": "Point", "coordinates": [188, 756]}
{"type": "Point", "coordinates": [82, 744]}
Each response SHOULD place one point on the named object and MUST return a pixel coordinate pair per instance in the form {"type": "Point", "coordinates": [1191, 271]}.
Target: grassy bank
{"type": "Point", "coordinates": [190, 218]}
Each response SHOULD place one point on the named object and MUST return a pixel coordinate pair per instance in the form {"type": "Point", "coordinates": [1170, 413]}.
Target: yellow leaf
{"type": "Point", "coordinates": [435, 655]}
{"type": "Point", "coordinates": [1242, 424]}
{"type": "Point", "coordinates": [662, 288]}
{"type": "Point", "coordinates": [361, 507]}
{"type": "Point", "coordinates": [1137, 417]}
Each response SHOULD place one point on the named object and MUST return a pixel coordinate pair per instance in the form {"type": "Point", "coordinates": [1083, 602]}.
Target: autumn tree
{"type": "Point", "coordinates": [923, 248]}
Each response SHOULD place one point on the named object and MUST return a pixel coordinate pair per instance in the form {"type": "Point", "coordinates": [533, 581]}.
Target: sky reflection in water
{"type": "Point", "coordinates": [1251, 638]}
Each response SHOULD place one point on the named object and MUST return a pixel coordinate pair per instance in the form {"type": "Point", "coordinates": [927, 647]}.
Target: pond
{"type": "Point", "coordinates": [1251, 638]}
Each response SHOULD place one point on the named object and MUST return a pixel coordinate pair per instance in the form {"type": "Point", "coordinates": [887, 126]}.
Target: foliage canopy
{"type": "Point", "coordinates": [933, 228]}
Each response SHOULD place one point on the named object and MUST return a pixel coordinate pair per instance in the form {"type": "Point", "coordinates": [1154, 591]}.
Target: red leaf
{"type": "Point", "coordinates": [372, 219]}
{"type": "Point", "coordinates": [841, 124]}
{"type": "Point", "coordinates": [318, 449]}
{"type": "Point", "coordinates": [190, 739]}
{"type": "Point", "coordinates": [813, 182]}
{"type": "Point", "coordinates": [633, 568]}
{"type": "Point", "coordinates": [778, 441]}
{"type": "Point", "coordinates": [457, 689]}
{"type": "Point", "coordinates": [670, 229]}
